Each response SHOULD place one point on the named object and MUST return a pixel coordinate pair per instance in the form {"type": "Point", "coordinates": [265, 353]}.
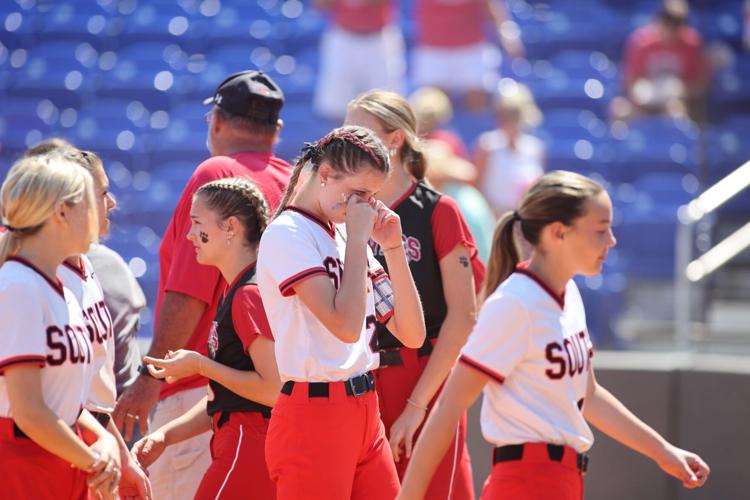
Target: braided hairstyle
{"type": "Point", "coordinates": [238, 197]}
{"type": "Point", "coordinates": [346, 149]}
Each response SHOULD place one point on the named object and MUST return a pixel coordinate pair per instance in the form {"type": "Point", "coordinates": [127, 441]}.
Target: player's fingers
{"type": "Point", "coordinates": [142, 418]}
{"type": "Point", "coordinates": [129, 423]}
{"type": "Point", "coordinates": [408, 442]}
{"type": "Point", "coordinates": [155, 361]}
{"type": "Point", "coordinates": [698, 466]}
{"type": "Point", "coordinates": [396, 444]}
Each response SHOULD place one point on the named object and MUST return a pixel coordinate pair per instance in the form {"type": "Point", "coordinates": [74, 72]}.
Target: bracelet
{"type": "Point", "coordinates": [392, 248]}
{"type": "Point", "coordinates": [417, 405]}
{"type": "Point", "coordinates": [143, 370]}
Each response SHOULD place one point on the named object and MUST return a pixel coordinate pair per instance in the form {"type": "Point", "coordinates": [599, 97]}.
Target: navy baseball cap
{"type": "Point", "coordinates": [249, 94]}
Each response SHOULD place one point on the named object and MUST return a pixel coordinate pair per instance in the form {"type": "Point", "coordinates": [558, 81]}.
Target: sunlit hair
{"type": "Point", "coordinates": [558, 196]}
{"type": "Point", "coordinates": [31, 192]}
{"type": "Point", "coordinates": [394, 113]}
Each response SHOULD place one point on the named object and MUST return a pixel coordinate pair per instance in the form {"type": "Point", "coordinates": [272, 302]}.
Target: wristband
{"type": "Point", "coordinates": [143, 370]}
{"type": "Point", "coordinates": [417, 405]}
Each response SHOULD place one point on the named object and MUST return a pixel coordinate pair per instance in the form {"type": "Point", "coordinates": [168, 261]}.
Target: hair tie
{"type": "Point", "coordinates": [312, 151]}
{"type": "Point", "coordinates": [516, 216]}
{"type": "Point", "coordinates": [9, 227]}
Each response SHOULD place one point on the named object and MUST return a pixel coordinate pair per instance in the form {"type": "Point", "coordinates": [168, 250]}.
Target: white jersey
{"type": "Point", "coordinates": [510, 172]}
{"type": "Point", "coordinates": [43, 326]}
{"type": "Point", "coordinates": [535, 346]}
{"type": "Point", "coordinates": [82, 281]}
{"type": "Point", "coordinates": [297, 246]}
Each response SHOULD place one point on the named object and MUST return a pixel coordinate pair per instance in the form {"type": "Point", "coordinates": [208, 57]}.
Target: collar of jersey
{"type": "Point", "coordinates": [78, 269]}
{"type": "Point", "coordinates": [522, 268]}
{"type": "Point", "coordinates": [56, 285]}
{"type": "Point", "coordinates": [240, 275]}
{"type": "Point", "coordinates": [328, 227]}
{"type": "Point", "coordinates": [404, 196]}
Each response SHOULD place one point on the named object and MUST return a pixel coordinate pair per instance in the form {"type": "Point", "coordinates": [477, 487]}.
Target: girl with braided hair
{"type": "Point", "coordinates": [228, 218]}
{"type": "Point", "coordinates": [324, 292]}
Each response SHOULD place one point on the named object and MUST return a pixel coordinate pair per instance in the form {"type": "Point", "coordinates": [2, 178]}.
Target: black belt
{"type": "Point", "coordinates": [393, 357]}
{"type": "Point", "coordinates": [355, 386]}
{"type": "Point", "coordinates": [554, 451]}
{"type": "Point", "coordinates": [224, 417]}
{"type": "Point", "coordinates": [101, 417]}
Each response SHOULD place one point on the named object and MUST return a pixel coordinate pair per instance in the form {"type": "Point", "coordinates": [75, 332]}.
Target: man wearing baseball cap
{"type": "Point", "coordinates": [243, 125]}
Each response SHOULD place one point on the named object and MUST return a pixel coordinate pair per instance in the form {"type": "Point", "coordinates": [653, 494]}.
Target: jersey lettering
{"type": "Point", "coordinates": [335, 270]}
{"type": "Point", "coordinates": [370, 323]}
{"type": "Point", "coordinates": [553, 357]}
{"type": "Point", "coordinates": [413, 249]}
{"type": "Point", "coordinates": [99, 322]}
{"type": "Point", "coordinates": [412, 246]}
{"type": "Point", "coordinates": [574, 360]}
{"type": "Point", "coordinates": [55, 339]}
{"type": "Point", "coordinates": [65, 345]}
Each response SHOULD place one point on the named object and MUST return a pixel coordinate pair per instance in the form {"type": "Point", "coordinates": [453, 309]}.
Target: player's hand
{"type": "Point", "coordinates": [360, 218]}
{"type": "Point", "coordinates": [685, 466]}
{"type": "Point", "coordinates": [175, 365]}
{"type": "Point", "coordinates": [149, 448]}
{"type": "Point", "coordinates": [134, 483]}
{"type": "Point", "coordinates": [104, 475]}
{"type": "Point", "coordinates": [135, 405]}
{"type": "Point", "coordinates": [403, 431]}
{"type": "Point", "coordinates": [387, 230]}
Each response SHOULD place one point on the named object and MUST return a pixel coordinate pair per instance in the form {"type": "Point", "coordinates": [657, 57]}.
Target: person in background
{"type": "Point", "coordinates": [665, 67]}
{"type": "Point", "coordinates": [455, 176]}
{"type": "Point", "coordinates": [433, 110]}
{"type": "Point", "coordinates": [508, 159]}
{"type": "Point", "coordinates": [452, 52]}
{"type": "Point", "coordinates": [361, 50]}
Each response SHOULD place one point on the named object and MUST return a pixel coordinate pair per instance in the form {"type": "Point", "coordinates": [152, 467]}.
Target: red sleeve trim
{"type": "Point", "coordinates": [481, 368]}
{"type": "Point", "coordinates": [28, 359]}
{"type": "Point", "coordinates": [384, 319]}
{"type": "Point", "coordinates": [287, 286]}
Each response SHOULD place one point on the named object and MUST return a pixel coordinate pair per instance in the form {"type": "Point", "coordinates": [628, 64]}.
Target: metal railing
{"type": "Point", "coordinates": [689, 271]}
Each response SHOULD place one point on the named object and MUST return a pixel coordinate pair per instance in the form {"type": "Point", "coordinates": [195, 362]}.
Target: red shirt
{"type": "Point", "coordinates": [451, 23]}
{"type": "Point", "coordinates": [648, 55]}
{"type": "Point", "coordinates": [180, 272]}
{"type": "Point", "coordinates": [249, 316]}
{"type": "Point", "coordinates": [362, 16]}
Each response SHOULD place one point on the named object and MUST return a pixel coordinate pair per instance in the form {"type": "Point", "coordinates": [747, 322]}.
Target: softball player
{"type": "Point", "coordinates": [536, 371]}
{"type": "Point", "coordinates": [77, 274]}
{"type": "Point", "coordinates": [324, 292]}
{"type": "Point", "coordinates": [228, 217]}
{"type": "Point", "coordinates": [46, 356]}
{"type": "Point", "coordinates": [444, 261]}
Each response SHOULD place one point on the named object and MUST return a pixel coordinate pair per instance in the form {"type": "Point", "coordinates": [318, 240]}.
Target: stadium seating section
{"type": "Point", "coordinates": [125, 79]}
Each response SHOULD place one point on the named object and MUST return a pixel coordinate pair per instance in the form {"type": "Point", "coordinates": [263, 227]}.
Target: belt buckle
{"type": "Point", "coordinates": [362, 381]}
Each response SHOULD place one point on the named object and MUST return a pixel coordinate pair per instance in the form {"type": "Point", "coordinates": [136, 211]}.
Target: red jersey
{"type": "Point", "coordinates": [451, 23]}
{"type": "Point", "coordinates": [180, 272]}
{"type": "Point", "coordinates": [362, 16]}
{"type": "Point", "coordinates": [649, 55]}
